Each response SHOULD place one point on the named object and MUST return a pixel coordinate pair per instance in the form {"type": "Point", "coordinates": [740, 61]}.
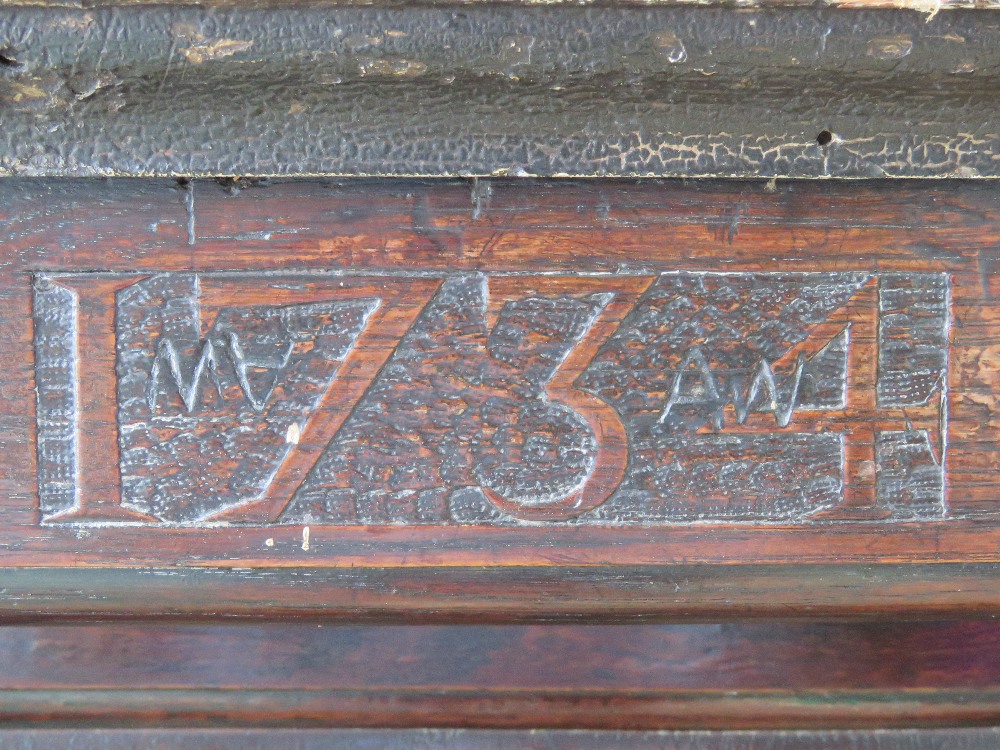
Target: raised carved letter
{"type": "Point", "coordinates": [501, 400]}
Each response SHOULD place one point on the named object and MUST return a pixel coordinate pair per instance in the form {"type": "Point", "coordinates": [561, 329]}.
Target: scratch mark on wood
{"type": "Point", "coordinates": [189, 209]}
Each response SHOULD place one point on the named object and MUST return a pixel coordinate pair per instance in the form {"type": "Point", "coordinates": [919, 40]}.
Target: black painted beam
{"type": "Point", "coordinates": [480, 90]}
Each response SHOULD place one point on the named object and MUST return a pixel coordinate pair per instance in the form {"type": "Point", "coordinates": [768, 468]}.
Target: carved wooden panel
{"type": "Point", "coordinates": [491, 399]}
{"type": "Point", "coordinates": [510, 373]}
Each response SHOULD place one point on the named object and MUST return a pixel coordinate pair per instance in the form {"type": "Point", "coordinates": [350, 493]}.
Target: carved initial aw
{"type": "Point", "coordinates": [761, 382]}
{"type": "Point", "coordinates": [696, 384]}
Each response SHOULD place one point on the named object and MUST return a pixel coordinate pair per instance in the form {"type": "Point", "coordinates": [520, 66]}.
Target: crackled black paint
{"type": "Point", "coordinates": [478, 90]}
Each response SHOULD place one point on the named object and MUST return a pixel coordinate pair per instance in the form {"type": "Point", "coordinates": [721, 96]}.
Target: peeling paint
{"type": "Point", "coordinates": [214, 50]}
{"type": "Point", "coordinates": [670, 46]}
{"type": "Point", "coordinates": [601, 91]}
{"type": "Point", "coordinates": [391, 67]}
{"type": "Point", "coordinates": [890, 47]}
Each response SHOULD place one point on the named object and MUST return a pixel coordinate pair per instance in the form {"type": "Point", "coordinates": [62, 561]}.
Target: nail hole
{"type": "Point", "coordinates": [232, 184]}
{"type": "Point", "coordinates": [824, 138]}
{"type": "Point", "coordinates": [8, 58]}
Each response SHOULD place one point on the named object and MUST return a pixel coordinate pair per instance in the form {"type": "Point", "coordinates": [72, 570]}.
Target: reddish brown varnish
{"type": "Point", "coordinates": [554, 232]}
{"type": "Point", "coordinates": [764, 675]}
{"type": "Point", "coordinates": [862, 558]}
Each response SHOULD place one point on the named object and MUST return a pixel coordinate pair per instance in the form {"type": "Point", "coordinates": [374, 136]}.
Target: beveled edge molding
{"type": "Point", "coordinates": [502, 709]}
{"type": "Point", "coordinates": [503, 594]}
{"type": "Point", "coordinates": [453, 739]}
{"type": "Point", "coordinates": [476, 89]}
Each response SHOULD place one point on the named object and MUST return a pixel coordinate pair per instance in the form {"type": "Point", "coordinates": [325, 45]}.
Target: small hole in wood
{"type": "Point", "coordinates": [824, 138]}
{"type": "Point", "coordinates": [8, 58]}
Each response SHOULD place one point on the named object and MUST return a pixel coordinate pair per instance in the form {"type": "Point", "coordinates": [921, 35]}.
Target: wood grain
{"type": "Point", "coordinates": [766, 675]}
{"type": "Point", "coordinates": [517, 304]}
{"type": "Point", "coordinates": [537, 593]}
{"type": "Point", "coordinates": [306, 739]}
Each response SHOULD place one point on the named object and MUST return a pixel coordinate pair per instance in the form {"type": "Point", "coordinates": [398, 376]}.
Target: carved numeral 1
{"type": "Point", "coordinates": [135, 366]}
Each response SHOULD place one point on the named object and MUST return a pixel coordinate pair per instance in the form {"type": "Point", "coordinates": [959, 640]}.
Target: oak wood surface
{"type": "Point", "coordinates": [765, 675]}
{"type": "Point", "coordinates": [499, 594]}
{"type": "Point", "coordinates": [733, 656]}
{"type": "Point", "coordinates": [922, 6]}
{"type": "Point", "coordinates": [593, 239]}
{"type": "Point", "coordinates": [305, 739]}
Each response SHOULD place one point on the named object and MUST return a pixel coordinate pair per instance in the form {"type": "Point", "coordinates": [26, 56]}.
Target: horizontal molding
{"type": "Point", "coordinates": [499, 709]}
{"type": "Point", "coordinates": [773, 658]}
{"type": "Point", "coordinates": [748, 676]}
{"type": "Point", "coordinates": [476, 89]}
{"type": "Point", "coordinates": [389, 739]}
{"type": "Point", "coordinates": [928, 7]}
{"type": "Point", "coordinates": [503, 594]}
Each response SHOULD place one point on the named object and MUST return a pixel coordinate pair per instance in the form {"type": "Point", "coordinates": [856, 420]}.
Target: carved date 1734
{"type": "Point", "coordinates": [521, 373]}
{"type": "Point", "coordinates": [496, 399]}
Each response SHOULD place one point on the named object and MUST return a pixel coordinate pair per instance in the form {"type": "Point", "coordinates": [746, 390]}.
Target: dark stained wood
{"type": "Point", "coordinates": [433, 325]}
{"type": "Point", "coordinates": [622, 677]}
{"type": "Point", "coordinates": [471, 462]}
{"type": "Point", "coordinates": [182, 708]}
{"type": "Point", "coordinates": [618, 594]}
{"type": "Point", "coordinates": [918, 5]}
{"type": "Point", "coordinates": [306, 739]}
{"type": "Point", "coordinates": [734, 656]}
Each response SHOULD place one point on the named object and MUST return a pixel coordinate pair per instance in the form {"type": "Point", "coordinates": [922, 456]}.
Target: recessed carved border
{"type": "Point", "coordinates": [491, 399]}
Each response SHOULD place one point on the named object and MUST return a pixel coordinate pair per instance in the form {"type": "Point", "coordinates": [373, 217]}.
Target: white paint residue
{"type": "Point", "coordinates": [894, 47]}
{"type": "Point", "coordinates": [305, 539]}
{"type": "Point", "coordinates": [214, 49]}
{"type": "Point", "coordinates": [293, 434]}
{"type": "Point", "coordinates": [668, 44]}
{"type": "Point", "coordinates": [930, 7]}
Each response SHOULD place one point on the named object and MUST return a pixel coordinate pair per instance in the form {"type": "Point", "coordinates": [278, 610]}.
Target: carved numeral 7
{"type": "Point", "coordinates": [86, 459]}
